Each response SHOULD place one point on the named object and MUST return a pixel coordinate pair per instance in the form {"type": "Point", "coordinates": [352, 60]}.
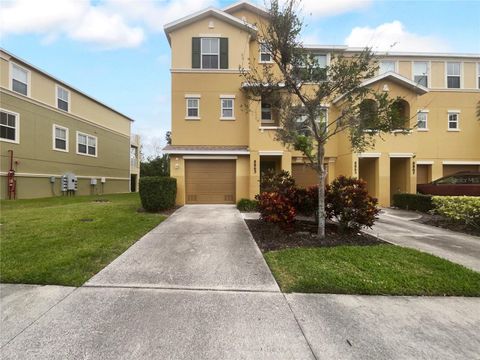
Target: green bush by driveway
{"type": "Point", "coordinates": [370, 270]}
{"type": "Point", "coordinates": [67, 240]}
{"type": "Point", "coordinates": [158, 192]}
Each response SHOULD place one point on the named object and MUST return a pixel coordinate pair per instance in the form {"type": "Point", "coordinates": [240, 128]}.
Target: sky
{"type": "Point", "coordinates": [117, 52]}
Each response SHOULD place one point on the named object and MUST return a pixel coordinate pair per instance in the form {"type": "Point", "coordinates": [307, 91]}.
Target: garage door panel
{"type": "Point", "coordinates": [210, 181]}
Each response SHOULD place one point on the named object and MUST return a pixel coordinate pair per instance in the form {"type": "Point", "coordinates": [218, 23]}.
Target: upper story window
{"type": "Point", "coordinates": [453, 120]}
{"type": "Point", "coordinates": [453, 75]}
{"type": "Point", "coordinates": [386, 66]}
{"type": "Point", "coordinates": [227, 108]}
{"type": "Point", "coordinates": [86, 144]}
{"type": "Point", "coordinates": [9, 126]}
{"type": "Point", "coordinates": [422, 117]}
{"type": "Point", "coordinates": [192, 107]}
{"type": "Point", "coordinates": [63, 98]}
{"type": "Point", "coordinates": [265, 55]}
{"type": "Point", "coordinates": [209, 53]}
{"type": "Point", "coordinates": [420, 73]}
{"type": "Point", "coordinates": [60, 138]}
{"type": "Point", "coordinates": [20, 79]}
{"type": "Point", "coordinates": [267, 117]}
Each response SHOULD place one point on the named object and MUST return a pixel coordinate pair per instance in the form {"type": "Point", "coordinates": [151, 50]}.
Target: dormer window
{"type": "Point", "coordinates": [210, 53]}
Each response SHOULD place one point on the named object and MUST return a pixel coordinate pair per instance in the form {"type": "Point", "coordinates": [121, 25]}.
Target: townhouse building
{"type": "Point", "coordinates": [50, 131]}
{"type": "Point", "coordinates": [222, 141]}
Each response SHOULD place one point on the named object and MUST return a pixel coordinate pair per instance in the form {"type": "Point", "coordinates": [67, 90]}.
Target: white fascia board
{"type": "Point", "coordinates": [400, 155]}
{"type": "Point", "coordinates": [460, 162]}
{"type": "Point", "coordinates": [209, 157]}
{"type": "Point", "coordinates": [425, 162]}
{"type": "Point", "coordinates": [369, 155]}
{"type": "Point", "coordinates": [271, 153]}
{"type": "Point", "coordinates": [207, 152]}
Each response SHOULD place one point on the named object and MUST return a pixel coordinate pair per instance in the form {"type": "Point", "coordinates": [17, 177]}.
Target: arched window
{"type": "Point", "coordinates": [368, 114]}
{"type": "Point", "coordinates": [400, 115]}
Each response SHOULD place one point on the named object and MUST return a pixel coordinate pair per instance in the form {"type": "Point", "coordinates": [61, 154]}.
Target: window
{"type": "Point", "coordinates": [227, 108]}
{"type": "Point", "coordinates": [9, 125]}
{"type": "Point", "coordinates": [386, 66]}
{"type": "Point", "coordinates": [193, 108]}
{"type": "Point", "coordinates": [265, 55]}
{"type": "Point", "coordinates": [266, 112]}
{"type": "Point", "coordinates": [63, 98]}
{"type": "Point", "coordinates": [420, 73]}
{"type": "Point", "coordinates": [60, 138]}
{"type": "Point", "coordinates": [210, 53]}
{"type": "Point", "coordinates": [19, 79]}
{"type": "Point", "coordinates": [453, 75]}
{"type": "Point", "coordinates": [422, 117]}
{"type": "Point", "coordinates": [322, 119]}
{"type": "Point", "coordinates": [86, 144]}
{"type": "Point", "coordinates": [453, 119]}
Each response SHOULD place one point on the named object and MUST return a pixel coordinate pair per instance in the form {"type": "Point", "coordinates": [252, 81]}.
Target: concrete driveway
{"type": "Point", "coordinates": [399, 227]}
{"type": "Point", "coordinates": [197, 287]}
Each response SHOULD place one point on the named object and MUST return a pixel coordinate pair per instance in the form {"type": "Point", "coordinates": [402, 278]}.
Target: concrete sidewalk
{"type": "Point", "coordinates": [398, 227]}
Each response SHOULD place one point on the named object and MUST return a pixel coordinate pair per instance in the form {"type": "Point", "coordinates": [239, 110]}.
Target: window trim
{"type": "Point", "coordinates": [54, 137]}
{"type": "Point", "coordinates": [429, 68]}
{"type": "Point", "coordinates": [201, 53]}
{"type": "Point", "coordinates": [451, 112]}
{"type": "Point", "coordinates": [460, 76]}
{"type": "Point", "coordinates": [226, 97]}
{"type": "Point", "coordinates": [186, 107]}
{"type": "Point", "coordinates": [12, 64]}
{"type": "Point", "coordinates": [260, 52]}
{"type": "Point", "coordinates": [395, 66]}
{"type": "Point", "coordinates": [57, 87]}
{"type": "Point", "coordinates": [17, 127]}
{"type": "Point", "coordinates": [266, 121]}
{"type": "Point", "coordinates": [423, 111]}
{"type": "Point", "coordinates": [87, 135]}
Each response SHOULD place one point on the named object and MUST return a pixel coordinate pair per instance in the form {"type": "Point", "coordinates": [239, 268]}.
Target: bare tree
{"type": "Point", "coordinates": [298, 88]}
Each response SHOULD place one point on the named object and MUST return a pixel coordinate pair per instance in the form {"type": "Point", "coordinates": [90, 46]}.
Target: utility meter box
{"type": "Point", "coordinates": [103, 180]}
{"type": "Point", "coordinates": [69, 182]}
{"type": "Point", "coordinates": [93, 181]}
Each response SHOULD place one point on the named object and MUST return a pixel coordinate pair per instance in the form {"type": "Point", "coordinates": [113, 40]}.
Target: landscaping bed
{"type": "Point", "coordinates": [442, 222]}
{"type": "Point", "coordinates": [67, 240]}
{"type": "Point", "coordinates": [304, 234]}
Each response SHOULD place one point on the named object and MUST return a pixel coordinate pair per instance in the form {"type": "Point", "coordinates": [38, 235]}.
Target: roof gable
{"type": "Point", "coordinates": [246, 5]}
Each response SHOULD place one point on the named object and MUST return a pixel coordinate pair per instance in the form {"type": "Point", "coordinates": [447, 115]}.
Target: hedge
{"type": "Point", "coordinates": [417, 202]}
{"type": "Point", "coordinates": [465, 209]}
{"type": "Point", "coordinates": [158, 193]}
{"type": "Point", "coordinates": [247, 205]}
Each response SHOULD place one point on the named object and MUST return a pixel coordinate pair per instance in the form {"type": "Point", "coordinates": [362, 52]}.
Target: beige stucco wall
{"type": "Point", "coordinates": [43, 90]}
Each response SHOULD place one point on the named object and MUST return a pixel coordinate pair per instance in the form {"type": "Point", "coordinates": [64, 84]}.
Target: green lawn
{"type": "Point", "coordinates": [44, 241]}
{"type": "Point", "coordinates": [370, 270]}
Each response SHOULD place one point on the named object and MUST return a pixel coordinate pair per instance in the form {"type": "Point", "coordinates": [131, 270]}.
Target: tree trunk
{"type": "Point", "coordinates": [321, 191]}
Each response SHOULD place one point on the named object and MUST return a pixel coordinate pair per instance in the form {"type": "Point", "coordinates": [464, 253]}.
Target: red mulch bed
{"type": "Point", "coordinates": [304, 234]}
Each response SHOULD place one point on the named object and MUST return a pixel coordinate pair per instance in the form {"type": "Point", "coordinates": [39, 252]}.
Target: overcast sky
{"type": "Point", "coordinates": [116, 50]}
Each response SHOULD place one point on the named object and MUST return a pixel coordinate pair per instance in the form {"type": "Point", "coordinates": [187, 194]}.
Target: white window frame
{"type": "Point", "coordinates": [192, 97]}
{"type": "Point", "coordinates": [423, 111]}
{"type": "Point", "coordinates": [260, 52]}
{"type": "Point", "coordinates": [266, 121]}
{"type": "Point", "coordinates": [17, 127]}
{"type": "Point", "coordinates": [12, 65]}
{"type": "Point", "coordinates": [227, 97]}
{"type": "Point", "coordinates": [54, 137]}
{"type": "Point", "coordinates": [453, 112]}
{"type": "Point", "coordinates": [202, 53]}
{"type": "Point", "coordinates": [395, 66]}
{"type": "Point", "coordinates": [57, 98]}
{"type": "Point", "coordinates": [460, 76]}
{"type": "Point", "coordinates": [429, 65]}
{"type": "Point", "coordinates": [87, 135]}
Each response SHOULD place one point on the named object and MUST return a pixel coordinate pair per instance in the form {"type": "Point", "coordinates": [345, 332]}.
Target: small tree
{"type": "Point", "coordinates": [158, 166]}
{"type": "Point", "coordinates": [298, 87]}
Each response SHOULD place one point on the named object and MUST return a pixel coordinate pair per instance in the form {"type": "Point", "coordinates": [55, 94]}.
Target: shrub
{"type": "Point", "coordinates": [158, 193]}
{"type": "Point", "coordinates": [348, 202]}
{"type": "Point", "coordinates": [465, 209]}
{"type": "Point", "coordinates": [247, 205]}
{"type": "Point", "coordinates": [282, 183]}
{"type": "Point", "coordinates": [306, 201]}
{"type": "Point", "coordinates": [418, 202]}
{"type": "Point", "coordinates": [276, 208]}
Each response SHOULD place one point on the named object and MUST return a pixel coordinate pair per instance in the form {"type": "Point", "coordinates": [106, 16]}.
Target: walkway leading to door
{"type": "Point", "coordinates": [198, 247]}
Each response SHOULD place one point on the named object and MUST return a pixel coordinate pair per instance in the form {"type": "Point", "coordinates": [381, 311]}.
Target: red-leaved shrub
{"type": "Point", "coordinates": [347, 201]}
{"type": "Point", "coordinates": [276, 208]}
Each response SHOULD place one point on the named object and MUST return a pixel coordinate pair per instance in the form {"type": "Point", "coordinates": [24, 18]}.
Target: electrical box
{"type": "Point", "coordinates": [93, 181]}
{"type": "Point", "coordinates": [103, 180]}
{"type": "Point", "coordinates": [52, 179]}
{"type": "Point", "coordinates": [69, 182]}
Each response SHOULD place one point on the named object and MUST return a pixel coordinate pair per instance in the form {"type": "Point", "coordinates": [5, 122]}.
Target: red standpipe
{"type": "Point", "coordinates": [11, 181]}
